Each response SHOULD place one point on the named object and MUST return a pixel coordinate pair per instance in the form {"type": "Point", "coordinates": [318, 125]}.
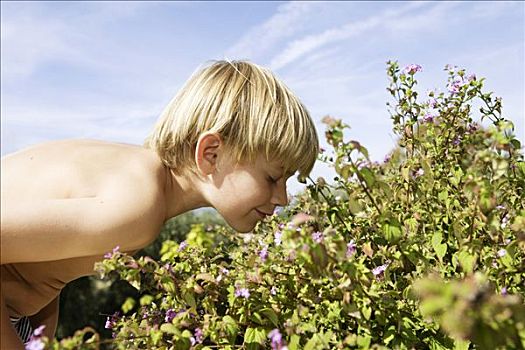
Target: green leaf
{"type": "Point", "coordinates": [294, 342]}
{"type": "Point", "coordinates": [190, 299]}
{"type": "Point", "coordinates": [439, 248]}
{"type": "Point", "coordinates": [146, 300]}
{"type": "Point", "coordinates": [461, 344]}
{"type": "Point", "coordinates": [271, 315]}
{"type": "Point", "coordinates": [128, 305]}
{"type": "Point", "coordinates": [467, 261]}
{"type": "Point", "coordinates": [170, 328]}
{"type": "Point", "coordinates": [256, 317]}
{"type": "Point", "coordinates": [368, 176]}
{"type": "Point", "coordinates": [363, 341]}
{"type": "Point", "coordinates": [354, 206]}
{"type": "Point", "coordinates": [392, 232]}
{"type": "Point", "coordinates": [366, 311]}
{"type": "Point", "coordinates": [168, 285]}
{"type": "Point", "coordinates": [231, 328]}
{"type": "Point", "coordinates": [254, 338]}
{"type": "Point", "coordinates": [313, 343]}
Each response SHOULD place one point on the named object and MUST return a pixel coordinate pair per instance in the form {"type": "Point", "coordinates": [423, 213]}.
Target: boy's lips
{"type": "Point", "coordinates": [262, 214]}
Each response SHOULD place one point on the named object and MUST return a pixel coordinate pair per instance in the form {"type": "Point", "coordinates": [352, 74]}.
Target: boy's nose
{"type": "Point", "coordinates": [280, 196]}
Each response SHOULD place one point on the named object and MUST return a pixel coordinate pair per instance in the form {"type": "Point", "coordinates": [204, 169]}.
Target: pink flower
{"type": "Point", "coordinates": [277, 238]}
{"type": "Point", "coordinates": [412, 69]}
{"type": "Point", "coordinates": [182, 246]}
{"type": "Point", "coordinates": [428, 118]}
{"type": "Point", "coordinates": [502, 253]}
{"type": "Point", "coordinates": [317, 237]}
{"type": "Point", "coordinates": [198, 337]}
{"type": "Point", "coordinates": [263, 254]}
{"type": "Point", "coordinates": [112, 321]}
{"type": "Point", "coordinates": [170, 315]}
{"type": "Point", "coordinates": [112, 253]}
{"type": "Point", "coordinates": [276, 339]}
{"type": "Point", "coordinates": [301, 218]}
{"type": "Point", "coordinates": [242, 292]}
{"type": "Point", "coordinates": [379, 271]}
{"type": "Point", "coordinates": [38, 332]}
{"type": "Point", "coordinates": [34, 344]}
{"type": "Point", "coordinates": [451, 68]}
{"type": "Point", "coordinates": [350, 249]}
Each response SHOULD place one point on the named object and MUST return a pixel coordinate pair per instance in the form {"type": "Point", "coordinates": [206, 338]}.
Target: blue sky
{"type": "Point", "coordinates": [105, 70]}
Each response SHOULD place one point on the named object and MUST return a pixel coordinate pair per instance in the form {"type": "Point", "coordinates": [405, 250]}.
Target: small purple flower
{"type": "Point", "coordinates": [291, 256]}
{"type": "Point", "coordinates": [471, 77]}
{"type": "Point", "coordinates": [317, 237]}
{"type": "Point", "coordinates": [108, 324]}
{"type": "Point", "coordinates": [452, 88]}
{"type": "Point", "coordinates": [111, 321]}
{"type": "Point", "coordinates": [300, 218]}
{"type": "Point", "coordinates": [387, 158]}
{"type": "Point", "coordinates": [504, 291]}
{"type": "Point", "coordinates": [112, 253]}
{"type": "Point", "coordinates": [34, 344]}
{"type": "Point", "coordinates": [378, 271]}
{"type": "Point", "coordinates": [183, 246]}
{"type": "Point", "coordinates": [263, 254]}
{"type": "Point", "coordinates": [38, 332]}
{"type": "Point", "coordinates": [276, 339]}
{"type": "Point", "coordinates": [198, 336]}
{"type": "Point", "coordinates": [451, 68]}
{"type": "Point", "coordinates": [456, 84]}
{"type": "Point", "coordinates": [456, 141]}
{"type": "Point", "coordinates": [242, 292]}
{"type": "Point", "coordinates": [472, 128]}
{"type": "Point", "coordinates": [273, 291]}
{"type": "Point", "coordinates": [225, 271]}
{"type": "Point", "coordinates": [170, 315]}
{"type": "Point", "coordinates": [350, 249]}
{"type": "Point", "coordinates": [428, 118]}
{"type": "Point", "coordinates": [277, 238]}
{"type": "Point", "coordinates": [432, 102]}
{"type": "Point", "coordinates": [502, 253]}
{"type": "Point", "coordinates": [418, 173]}
{"type": "Point", "coordinates": [411, 69]}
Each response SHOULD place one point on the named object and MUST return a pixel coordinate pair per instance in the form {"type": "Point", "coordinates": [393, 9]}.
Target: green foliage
{"type": "Point", "coordinates": [423, 251]}
{"type": "Point", "coordinates": [85, 301]}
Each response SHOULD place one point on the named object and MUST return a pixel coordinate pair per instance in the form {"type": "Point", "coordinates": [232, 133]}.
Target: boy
{"type": "Point", "coordinates": [229, 139]}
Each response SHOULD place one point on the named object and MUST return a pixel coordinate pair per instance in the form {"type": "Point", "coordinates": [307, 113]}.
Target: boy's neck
{"type": "Point", "coordinates": [182, 194]}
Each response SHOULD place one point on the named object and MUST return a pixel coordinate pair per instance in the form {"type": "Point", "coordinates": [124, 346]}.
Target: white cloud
{"type": "Point", "coordinates": [31, 39]}
{"type": "Point", "coordinates": [289, 19]}
{"type": "Point", "coordinates": [300, 47]}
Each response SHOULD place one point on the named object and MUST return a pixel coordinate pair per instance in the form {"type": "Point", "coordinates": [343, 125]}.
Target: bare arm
{"type": "Point", "coordinates": [48, 317]}
{"type": "Point", "coordinates": [53, 229]}
{"type": "Point", "coordinates": [9, 340]}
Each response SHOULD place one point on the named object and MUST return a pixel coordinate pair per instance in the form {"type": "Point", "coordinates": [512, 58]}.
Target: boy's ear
{"type": "Point", "coordinates": [207, 152]}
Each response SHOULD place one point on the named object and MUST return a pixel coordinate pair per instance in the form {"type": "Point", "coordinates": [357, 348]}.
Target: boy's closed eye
{"type": "Point", "coordinates": [272, 180]}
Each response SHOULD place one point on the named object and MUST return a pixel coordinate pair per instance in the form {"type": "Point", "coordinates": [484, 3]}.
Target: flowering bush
{"type": "Point", "coordinates": [424, 250]}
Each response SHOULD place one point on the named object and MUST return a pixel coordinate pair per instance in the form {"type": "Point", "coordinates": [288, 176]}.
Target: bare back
{"type": "Point", "coordinates": [72, 170]}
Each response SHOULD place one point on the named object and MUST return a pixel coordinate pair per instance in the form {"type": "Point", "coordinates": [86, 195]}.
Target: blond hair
{"type": "Point", "coordinates": [248, 106]}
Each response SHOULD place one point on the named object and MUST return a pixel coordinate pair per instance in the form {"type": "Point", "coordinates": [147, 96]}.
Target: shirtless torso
{"type": "Point", "coordinates": [72, 171]}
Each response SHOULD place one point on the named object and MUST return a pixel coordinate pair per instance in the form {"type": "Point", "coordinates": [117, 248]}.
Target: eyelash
{"type": "Point", "coordinates": [271, 179]}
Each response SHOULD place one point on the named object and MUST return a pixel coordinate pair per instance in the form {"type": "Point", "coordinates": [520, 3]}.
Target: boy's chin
{"type": "Point", "coordinates": [243, 227]}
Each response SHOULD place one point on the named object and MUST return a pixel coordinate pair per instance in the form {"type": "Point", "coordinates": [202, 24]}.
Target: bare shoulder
{"type": "Point", "coordinates": [111, 192]}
